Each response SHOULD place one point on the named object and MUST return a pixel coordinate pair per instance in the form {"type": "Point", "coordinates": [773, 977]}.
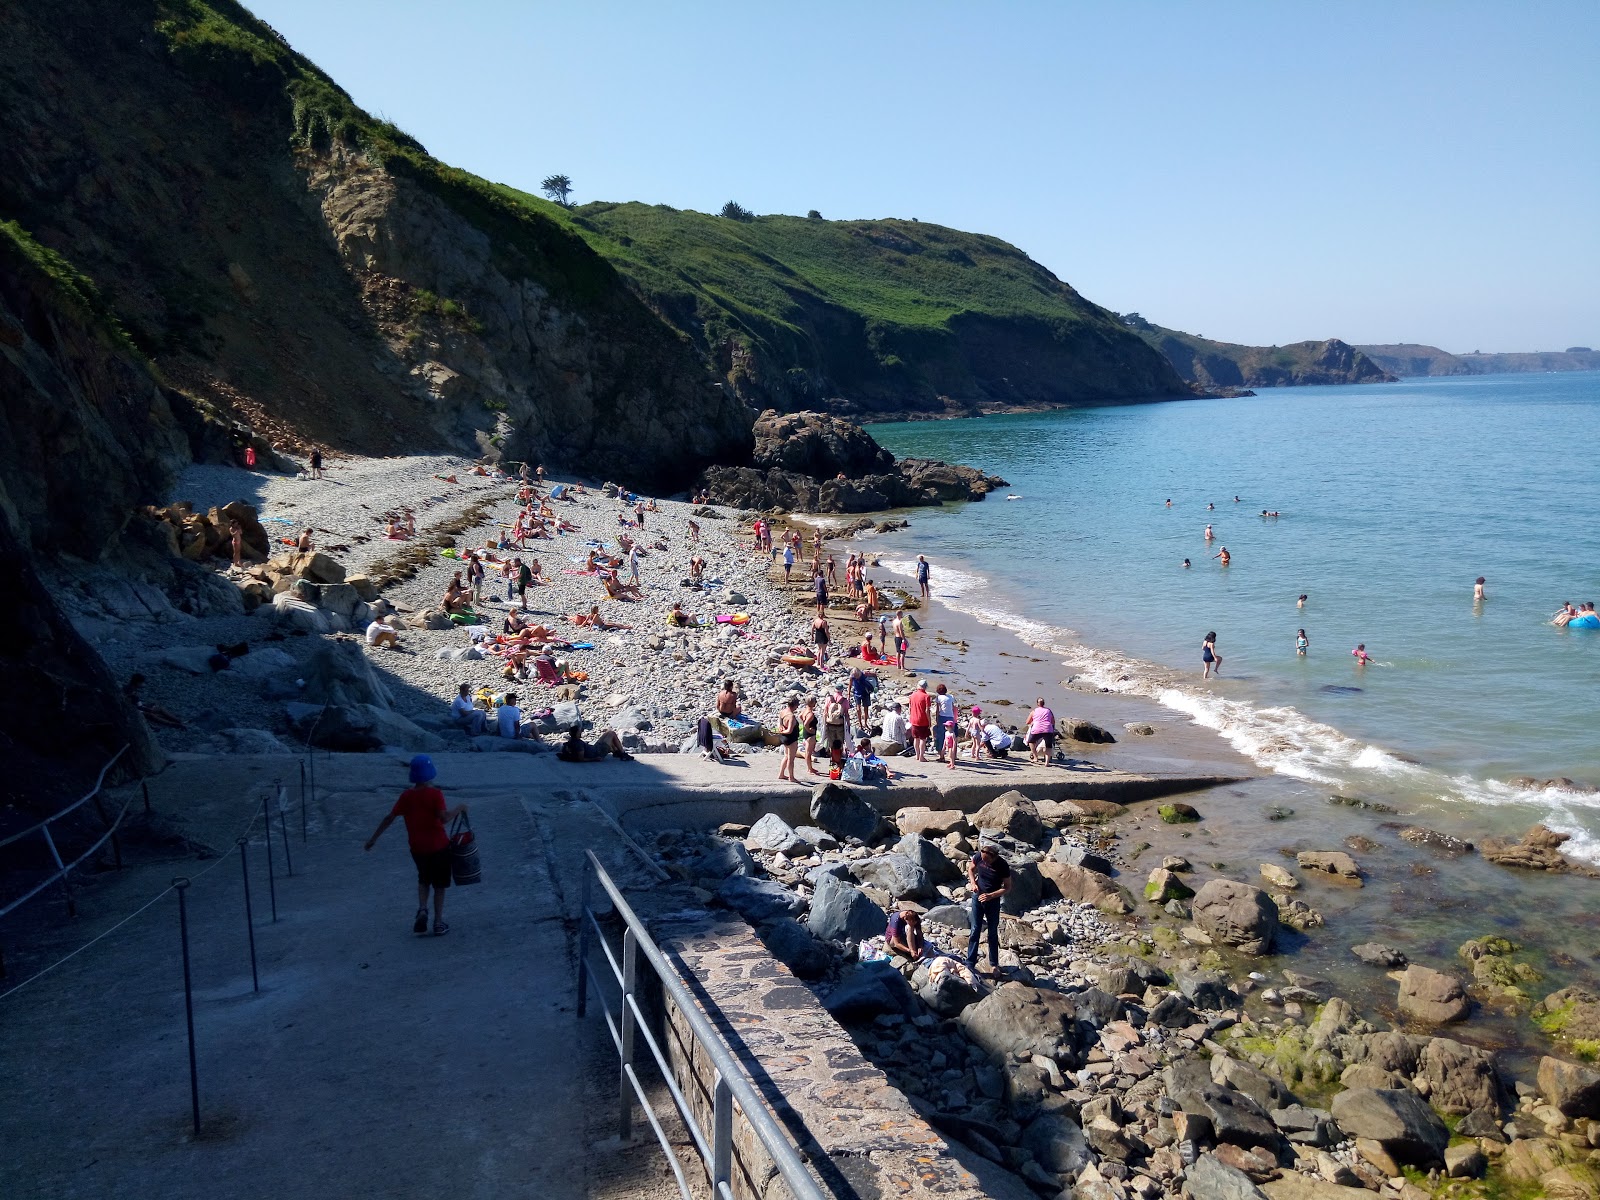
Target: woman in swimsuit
{"type": "Point", "coordinates": [1209, 655]}
{"type": "Point", "coordinates": [820, 635]}
{"type": "Point", "coordinates": [808, 731]}
{"type": "Point", "coordinates": [1301, 645]}
{"type": "Point", "coordinates": [789, 733]}
{"type": "Point", "coordinates": [1477, 589]}
{"type": "Point", "coordinates": [1223, 556]}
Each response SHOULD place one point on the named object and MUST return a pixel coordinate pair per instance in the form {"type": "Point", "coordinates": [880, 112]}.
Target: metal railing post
{"type": "Point", "coordinates": [272, 882]}
{"type": "Point", "coordinates": [583, 945]}
{"type": "Point", "coordinates": [283, 829]}
{"type": "Point", "coordinates": [249, 918]}
{"type": "Point", "coordinates": [144, 786]}
{"type": "Point", "coordinates": [188, 1001]}
{"type": "Point", "coordinates": [66, 886]}
{"type": "Point", "coordinates": [302, 802]}
{"type": "Point", "coordinates": [721, 1135]}
{"type": "Point", "coordinates": [630, 959]}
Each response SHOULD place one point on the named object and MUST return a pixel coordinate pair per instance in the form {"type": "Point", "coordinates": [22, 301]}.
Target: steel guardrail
{"type": "Point", "coordinates": [732, 1084]}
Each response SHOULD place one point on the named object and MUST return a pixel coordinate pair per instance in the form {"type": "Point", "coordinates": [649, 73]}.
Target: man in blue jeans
{"type": "Point", "coordinates": [989, 877]}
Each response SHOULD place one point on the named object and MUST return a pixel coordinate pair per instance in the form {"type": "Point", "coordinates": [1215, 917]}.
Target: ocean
{"type": "Point", "coordinates": [1393, 499]}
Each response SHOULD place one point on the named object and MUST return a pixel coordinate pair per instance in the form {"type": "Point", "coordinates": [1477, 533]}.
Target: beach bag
{"type": "Point", "coordinates": [464, 866]}
{"type": "Point", "coordinates": [853, 771]}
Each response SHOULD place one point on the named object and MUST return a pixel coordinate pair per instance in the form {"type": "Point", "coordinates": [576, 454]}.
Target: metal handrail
{"type": "Point", "coordinates": [731, 1084]}
{"type": "Point", "coordinates": [63, 869]}
{"type": "Point", "coordinates": [73, 807]}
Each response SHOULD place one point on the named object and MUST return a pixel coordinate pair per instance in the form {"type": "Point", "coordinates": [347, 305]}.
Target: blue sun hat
{"type": "Point", "coordinates": [422, 769]}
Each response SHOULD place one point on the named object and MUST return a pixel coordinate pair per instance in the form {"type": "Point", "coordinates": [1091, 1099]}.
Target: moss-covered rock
{"type": "Point", "coordinates": [1178, 813]}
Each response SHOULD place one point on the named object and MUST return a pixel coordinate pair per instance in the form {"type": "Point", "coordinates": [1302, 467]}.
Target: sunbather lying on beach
{"type": "Point", "coordinates": [596, 620]}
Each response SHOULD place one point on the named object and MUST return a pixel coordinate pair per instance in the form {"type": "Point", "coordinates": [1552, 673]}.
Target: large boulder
{"type": "Point", "coordinates": [758, 900]}
{"type": "Point", "coordinates": [842, 912]}
{"type": "Point", "coordinates": [772, 832]}
{"type": "Point", "coordinates": [1432, 996]}
{"type": "Point", "coordinates": [1212, 1179]}
{"type": "Point", "coordinates": [1234, 1117]}
{"type": "Point", "coordinates": [1015, 1017]}
{"type": "Point", "coordinates": [934, 822]}
{"type": "Point", "coordinates": [317, 567]}
{"type": "Point", "coordinates": [898, 874]}
{"type": "Point", "coordinates": [1057, 1144]}
{"type": "Point", "coordinates": [872, 989]}
{"type": "Point", "coordinates": [1460, 1079]}
{"type": "Point", "coordinates": [1330, 862]}
{"type": "Point", "coordinates": [947, 986]}
{"type": "Point", "coordinates": [1572, 1088]}
{"type": "Point", "coordinates": [1011, 813]}
{"type": "Point", "coordinates": [1075, 855]}
{"type": "Point", "coordinates": [400, 733]}
{"type": "Point", "coordinates": [1084, 886]}
{"type": "Point", "coordinates": [844, 813]}
{"type": "Point", "coordinates": [294, 613]}
{"type": "Point", "coordinates": [340, 673]}
{"type": "Point", "coordinates": [1397, 1119]}
{"type": "Point", "coordinates": [1238, 915]}
{"type": "Point", "coordinates": [1027, 889]}
{"type": "Point", "coordinates": [929, 857]}
{"type": "Point", "coordinates": [793, 945]}
{"type": "Point", "coordinates": [1080, 730]}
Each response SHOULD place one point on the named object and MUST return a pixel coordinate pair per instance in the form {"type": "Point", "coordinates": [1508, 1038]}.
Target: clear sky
{"type": "Point", "coordinates": [1263, 173]}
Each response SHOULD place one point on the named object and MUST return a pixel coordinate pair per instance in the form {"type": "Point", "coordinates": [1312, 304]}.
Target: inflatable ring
{"type": "Point", "coordinates": [799, 660]}
{"type": "Point", "coordinates": [1586, 621]}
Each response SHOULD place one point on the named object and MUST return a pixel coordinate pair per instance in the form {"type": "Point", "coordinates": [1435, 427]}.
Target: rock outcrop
{"type": "Point", "coordinates": [815, 462]}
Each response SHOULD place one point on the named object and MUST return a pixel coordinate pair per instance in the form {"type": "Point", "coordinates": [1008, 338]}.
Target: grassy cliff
{"type": "Point", "coordinates": [870, 318]}
{"type": "Point", "coordinates": [1411, 358]}
{"type": "Point", "coordinates": [1211, 364]}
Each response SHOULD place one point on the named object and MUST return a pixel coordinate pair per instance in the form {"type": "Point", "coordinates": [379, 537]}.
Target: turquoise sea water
{"type": "Point", "coordinates": [1393, 499]}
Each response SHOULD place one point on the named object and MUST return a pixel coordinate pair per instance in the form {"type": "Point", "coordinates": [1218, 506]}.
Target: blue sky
{"type": "Point", "coordinates": [1253, 172]}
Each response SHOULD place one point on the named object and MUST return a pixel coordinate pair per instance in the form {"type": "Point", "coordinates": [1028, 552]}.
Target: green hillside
{"type": "Point", "coordinates": [1410, 358]}
{"type": "Point", "coordinates": [868, 317]}
{"type": "Point", "coordinates": [1209, 364]}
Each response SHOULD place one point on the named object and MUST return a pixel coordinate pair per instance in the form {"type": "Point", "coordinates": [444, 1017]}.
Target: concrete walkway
{"type": "Point", "coordinates": [372, 1062]}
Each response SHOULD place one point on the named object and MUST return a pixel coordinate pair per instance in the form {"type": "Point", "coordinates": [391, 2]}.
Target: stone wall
{"type": "Point", "coordinates": [860, 1133]}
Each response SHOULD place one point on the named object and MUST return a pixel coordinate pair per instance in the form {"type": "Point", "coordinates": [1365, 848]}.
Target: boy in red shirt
{"type": "Point", "coordinates": [424, 812]}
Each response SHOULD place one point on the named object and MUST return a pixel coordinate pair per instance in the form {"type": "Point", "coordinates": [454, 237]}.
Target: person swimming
{"type": "Point", "coordinates": [1361, 656]}
{"type": "Point", "coordinates": [1186, 562]}
{"type": "Point", "coordinates": [1223, 556]}
{"type": "Point", "coordinates": [1477, 589]}
{"type": "Point", "coordinates": [1301, 643]}
{"type": "Point", "coordinates": [1169, 503]}
{"type": "Point", "coordinates": [1301, 603]}
{"type": "Point", "coordinates": [1209, 534]}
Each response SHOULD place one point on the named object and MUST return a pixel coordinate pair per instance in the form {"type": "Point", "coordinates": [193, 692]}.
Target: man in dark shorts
{"type": "Point", "coordinates": [423, 809]}
{"type": "Point", "coordinates": [575, 749]}
{"type": "Point", "coordinates": [989, 878]}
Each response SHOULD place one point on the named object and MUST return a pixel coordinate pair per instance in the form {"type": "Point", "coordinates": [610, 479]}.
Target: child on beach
{"type": "Point", "coordinates": [974, 732]}
{"type": "Point", "coordinates": [423, 809]}
{"type": "Point", "coordinates": [1361, 656]}
{"type": "Point", "coordinates": [1209, 656]}
{"type": "Point", "coordinates": [1301, 645]}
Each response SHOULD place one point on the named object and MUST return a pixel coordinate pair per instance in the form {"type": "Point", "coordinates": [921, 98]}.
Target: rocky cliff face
{"type": "Point", "coordinates": [283, 257]}
{"type": "Point", "coordinates": [817, 462]}
{"type": "Point", "coordinates": [1223, 365]}
{"type": "Point", "coordinates": [85, 434]}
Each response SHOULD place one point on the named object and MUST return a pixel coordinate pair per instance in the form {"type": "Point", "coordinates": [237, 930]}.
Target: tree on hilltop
{"type": "Point", "coordinates": [735, 211]}
{"type": "Point", "coordinates": [558, 188]}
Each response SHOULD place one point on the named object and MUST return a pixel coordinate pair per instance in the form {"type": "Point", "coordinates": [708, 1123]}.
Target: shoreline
{"type": "Point", "coordinates": [660, 680]}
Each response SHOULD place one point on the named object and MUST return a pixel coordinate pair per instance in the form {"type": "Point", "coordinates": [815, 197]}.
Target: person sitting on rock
{"type": "Point", "coordinates": [895, 730]}
{"type": "Point", "coordinates": [514, 622]}
{"type": "Point", "coordinates": [468, 716]}
{"type": "Point", "coordinates": [304, 544]}
{"type": "Point", "coordinates": [380, 633]}
{"type": "Point", "coordinates": [457, 599]}
{"type": "Point", "coordinates": [904, 937]}
{"type": "Point", "coordinates": [509, 723]}
{"type": "Point", "coordinates": [728, 700]}
{"type": "Point", "coordinates": [678, 617]}
{"type": "Point", "coordinates": [576, 750]}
